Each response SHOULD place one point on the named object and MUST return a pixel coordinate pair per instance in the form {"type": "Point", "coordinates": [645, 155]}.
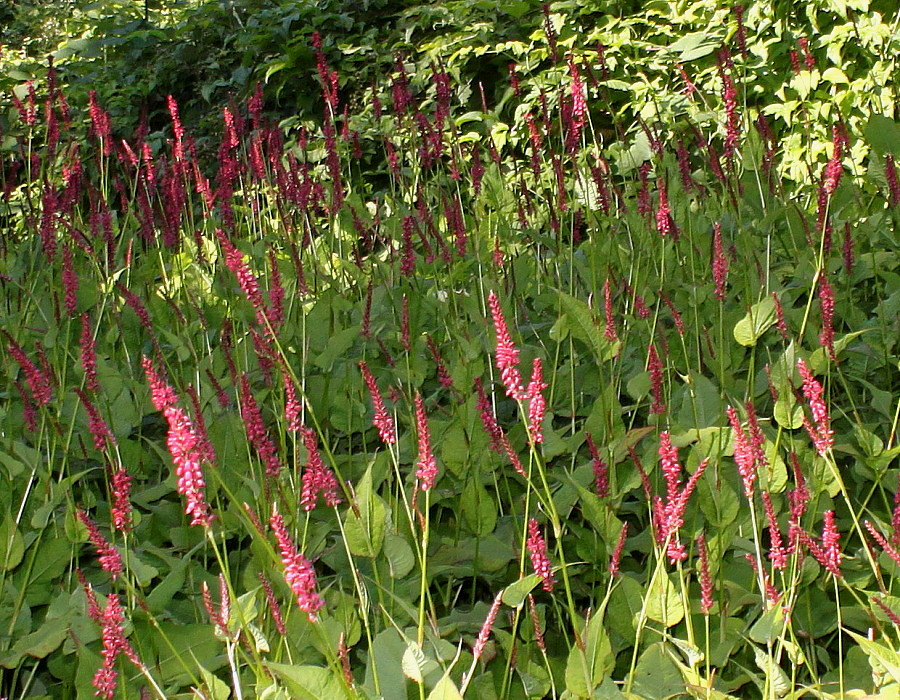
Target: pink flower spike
{"type": "Point", "coordinates": [88, 355]}
{"type": "Point", "coordinates": [610, 327]}
{"type": "Point", "coordinates": [777, 553]}
{"type": "Point", "coordinates": [599, 467]}
{"type": "Point", "coordinates": [537, 551]}
{"type": "Point", "coordinates": [120, 492]}
{"type": "Point", "coordinates": [831, 551]}
{"type": "Point", "coordinates": [485, 633]}
{"type": "Point", "coordinates": [256, 430]}
{"type": "Point", "coordinates": [719, 264]}
{"type": "Point", "coordinates": [38, 381]}
{"type": "Point", "coordinates": [537, 404]}
{"type": "Point", "coordinates": [108, 555]}
{"type": "Point", "coordinates": [744, 455]}
{"type": "Point", "coordinates": [507, 356]}
{"type": "Point", "coordinates": [820, 429]}
{"type": "Point", "coordinates": [381, 420]}
{"type": "Point", "coordinates": [427, 470]}
{"type": "Point", "coordinates": [114, 644]}
{"type": "Point", "coordinates": [616, 557]}
{"type": "Point", "coordinates": [826, 306]}
{"type": "Point", "coordinates": [317, 477]}
{"type": "Point", "coordinates": [186, 449]}
{"type": "Point", "coordinates": [162, 395]}
{"type": "Point", "coordinates": [655, 366]}
{"type": "Point", "coordinates": [706, 584]}
{"type": "Point", "coordinates": [298, 570]}
{"type": "Point", "coordinates": [671, 468]}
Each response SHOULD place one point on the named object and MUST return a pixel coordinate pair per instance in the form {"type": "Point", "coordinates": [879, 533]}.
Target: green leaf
{"type": "Point", "coordinates": [758, 320]}
{"type": "Point", "coordinates": [338, 344]}
{"type": "Point", "coordinates": [445, 689]}
{"type": "Point", "coordinates": [39, 643]}
{"type": "Point", "coordinates": [883, 134]}
{"type": "Point", "coordinates": [308, 682]}
{"type": "Point", "coordinates": [400, 556]}
{"type": "Point", "coordinates": [589, 667]}
{"type": "Point", "coordinates": [12, 546]}
{"type": "Point", "coordinates": [516, 593]}
{"type": "Point", "coordinates": [413, 662]}
{"type": "Point", "coordinates": [788, 411]}
{"type": "Point", "coordinates": [769, 627]}
{"type": "Point", "coordinates": [365, 531]}
{"type": "Point", "coordinates": [581, 326]}
{"type": "Point", "coordinates": [881, 658]}
{"type": "Point", "coordinates": [664, 604]}
{"type": "Point", "coordinates": [776, 678]}
{"type": "Point", "coordinates": [216, 688]}
{"type": "Point", "coordinates": [479, 510]}
{"type": "Point", "coordinates": [656, 675]}
{"type": "Point", "coordinates": [384, 659]}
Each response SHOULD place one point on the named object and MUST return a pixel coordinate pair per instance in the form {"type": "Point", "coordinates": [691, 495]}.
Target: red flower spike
{"type": "Point", "coordinates": [298, 570]}
{"type": "Point", "coordinates": [426, 471]}
{"type": "Point", "coordinates": [507, 356]}
{"type": "Point", "coordinates": [108, 556]}
{"type": "Point", "coordinates": [537, 404]}
{"type": "Point", "coordinates": [537, 551]}
{"type": "Point", "coordinates": [706, 584]}
{"type": "Point", "coordinates": [381, 420]}
{"type": "Point", "coordinates": [820, 429]}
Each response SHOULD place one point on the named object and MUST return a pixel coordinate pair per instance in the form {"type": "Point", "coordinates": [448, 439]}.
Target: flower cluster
{"type": "Point", "coordinates": [426, 466]}
{"type": "Point", "coordinates": [820, 427]}
{"type": "Point", "coordinates": [381, 420]}
{"type": "Point", "coordinates": [317, 477]}
{"type": "Point", "coordinates": [668, 515]}
{"type": "Point", "coordinates": [507, 354]}
{"type": "Point", "coordinates": [114, 644]}
{"type": "Point", "coordinates": [298, 570]}
{"type": "Point", "coordinates": [186, 446]}
{"type": "Point", "coordinates": [537, 551]}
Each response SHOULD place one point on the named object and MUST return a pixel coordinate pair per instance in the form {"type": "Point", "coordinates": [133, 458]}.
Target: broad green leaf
{"type": "Point", "coordinates": [883, 134]}
{"type": "Point", "coordinates": [516, 593]}
{"type": "Point", "coordinates": [479, 510]}
{"type": "Point", "coordinates": [216, 688]}
{"type": "Point", "coordinates": [769, 627]}
{"type": "Point", "coordinates": [880, 656]}
{"type": "Point", "coordinates": [309, 682]}
{"type": "Point", "coordinates": [625, 605]}
{"type": "Point", "coordinates": [664, 603]}
{"type": "Point", "coordinates": [384, 659]}
{"type": "Point", "coordinates": [193, 644]}
{"type": "Point", "coordinates": [365, 527]}
{"type": "Point", "coordinates": [39, 643]}
{"type": "Point", "coordinates": [413, 662]}
{"type": "Point", "coordinates": [160, 597]}
{"type": "Point", "coordinates": [582, 326]}
{"type": "Point", "coordinates": [445, 689]}
{"type": "Point", "coordinates": [338, 344]}
{"type": "Point", "coordinates": [656, 675]}
{"type": "Point", "coordinates": [586, 669]}
{"type": "Point", "coordinates": [12, 546]}
{"type": "Point", "coordinates": [776, 678]}
{"type": "Point", "coordinates": [400, 556]}
{"type": "Point", "coordinates": [718, 501]}
{"type": "Point", "coordinates": [758, 320]}
{"type": "Point", "coordinates": [788, 411]}
{"type": "Point", "coordinates": [14, 467]}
